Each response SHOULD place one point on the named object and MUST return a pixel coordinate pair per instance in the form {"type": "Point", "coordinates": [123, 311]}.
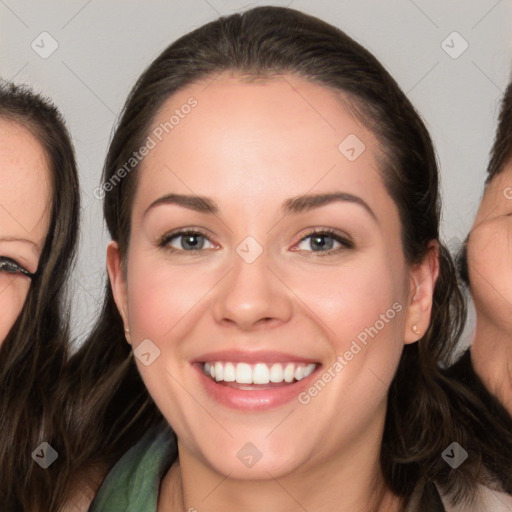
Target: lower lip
{"type": "Point", "coordinates": [257, 399]}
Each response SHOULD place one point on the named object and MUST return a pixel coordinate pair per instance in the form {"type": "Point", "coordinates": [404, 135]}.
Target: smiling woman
{"type": "Point", "coordinates": [37, 241]}
{"type": "Point", "coordinates": [280, 221]}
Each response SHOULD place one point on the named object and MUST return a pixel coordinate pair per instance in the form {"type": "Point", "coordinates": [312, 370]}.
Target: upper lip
{"type": "Point", "coordinates": [252, 357]}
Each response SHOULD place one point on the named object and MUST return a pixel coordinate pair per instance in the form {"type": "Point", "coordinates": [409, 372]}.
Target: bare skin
{"type": "Point", "coordinates": [490, 272]}
{"type": "Point", "coordinates": [250, 147]}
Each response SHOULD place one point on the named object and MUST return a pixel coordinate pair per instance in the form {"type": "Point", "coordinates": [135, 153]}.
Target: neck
{"type": "Point", "coordinates": [491, 356]}
{"type": "Point", "coordinates": [191, 486]}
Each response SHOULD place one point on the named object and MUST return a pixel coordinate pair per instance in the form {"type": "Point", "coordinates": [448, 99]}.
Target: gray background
{"type": "Point", "coordinates": [104, 45]}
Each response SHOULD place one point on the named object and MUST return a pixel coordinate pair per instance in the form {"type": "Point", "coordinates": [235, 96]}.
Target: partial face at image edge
{"type": "Point", "coordinates": [24, 216]}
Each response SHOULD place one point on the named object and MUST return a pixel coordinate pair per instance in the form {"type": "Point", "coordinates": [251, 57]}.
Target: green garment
{"type": "Point", "coordinates": [133, 483]}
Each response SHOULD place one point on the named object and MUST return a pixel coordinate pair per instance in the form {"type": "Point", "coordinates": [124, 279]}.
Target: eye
{"type": "Point", "coordinates": [185, 241]}
{"type": "Point", "coordinates": [322, 241]}
{"type": "Point", "coordinates": [9, 266]}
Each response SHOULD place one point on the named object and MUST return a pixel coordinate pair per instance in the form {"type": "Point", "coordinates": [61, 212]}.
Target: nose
{"type": "Point", "coordinates": [252, 296]}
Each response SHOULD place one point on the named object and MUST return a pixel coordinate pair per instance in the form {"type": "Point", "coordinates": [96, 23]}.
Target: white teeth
{"type": "Point", "coordinates": [229, 372]}
{"type": "Point", "coordinates": [243, 373]}
{"type": "Point", "coordinates": [276, 373]}
{"type": "Point", "coordinates": [219, 371]}
{"type": "Point", "coordinates": [259, 373]}
{"type": "Point", "coordinates": [309, 369]}
{"type": "Point", "coordinates": [289, 372]}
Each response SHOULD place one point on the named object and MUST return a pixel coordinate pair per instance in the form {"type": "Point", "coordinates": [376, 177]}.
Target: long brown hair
{"type": "Point", "coordinates": [34, 352]}
{"type": "Point", "coordinates": [106, 405]}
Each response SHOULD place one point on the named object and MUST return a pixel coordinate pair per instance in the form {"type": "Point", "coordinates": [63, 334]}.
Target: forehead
{"type": "Point", "coordinates": [281, 136]}
{"type": "Point", "coordinates": [25, 183]}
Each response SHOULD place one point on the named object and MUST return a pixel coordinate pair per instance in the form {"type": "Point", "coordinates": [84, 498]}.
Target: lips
{"type": "Point", "coordinates": [254, 381]}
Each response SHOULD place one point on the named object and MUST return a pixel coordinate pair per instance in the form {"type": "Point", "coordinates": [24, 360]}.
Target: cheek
{"type": "Point", "coordinates": [490, 268]}
{"type": "Point", "coordinates": [354, 298]}
{"type": "Point", "coordinates": [360, 302]}
{"type": "Point", "coordinates": [13, 292]}
{"type": "Point", "coordinates": [362, 311]}
{"type": "Point", "coordinates": [159, 298]}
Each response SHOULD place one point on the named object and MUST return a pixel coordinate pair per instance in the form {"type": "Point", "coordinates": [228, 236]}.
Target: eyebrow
{"type": "Point", "coordinates": [293, 205]}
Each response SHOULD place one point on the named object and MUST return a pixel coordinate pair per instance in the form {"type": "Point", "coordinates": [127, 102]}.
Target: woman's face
{"type": "Point", "coordinates": [255, 294]}
{"type": "Point", "coordinates": [490, 254]}
{"type": "Point", "coordinates": [24, 217]}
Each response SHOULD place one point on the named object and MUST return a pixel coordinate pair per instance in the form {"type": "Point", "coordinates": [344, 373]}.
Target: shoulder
{"type": "Point", "coordinates": [133, 483]}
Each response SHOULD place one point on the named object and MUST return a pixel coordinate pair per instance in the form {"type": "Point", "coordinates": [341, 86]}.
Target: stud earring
{"type": "Point", "coordinates": [415, 329]}
{"type": "Point", "coordinates": [127, 331]}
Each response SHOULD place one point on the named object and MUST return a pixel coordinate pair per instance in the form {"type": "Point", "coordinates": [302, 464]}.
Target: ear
{"type": "Point", "coordinates": [117, 282]}
{"type": "Point", "coordinates": [423, 278]}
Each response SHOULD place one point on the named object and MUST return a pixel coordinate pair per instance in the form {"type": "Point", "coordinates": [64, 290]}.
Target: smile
{"type": "Point", "coordinates": [254, 382]}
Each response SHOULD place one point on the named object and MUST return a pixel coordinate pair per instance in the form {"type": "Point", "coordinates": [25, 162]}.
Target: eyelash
{"type": "Point", "coordinates": [14, 266]}
{"type": "Point", "coordinates": [345, 242]}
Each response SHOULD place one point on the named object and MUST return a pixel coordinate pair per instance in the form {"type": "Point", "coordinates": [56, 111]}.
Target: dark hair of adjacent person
{"type": "Point", "coordinates": [107, 408]}
{"type": "Point", "coordinates": [34, 352]}
{"type": "Point", "coordinates": [500, 436]}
